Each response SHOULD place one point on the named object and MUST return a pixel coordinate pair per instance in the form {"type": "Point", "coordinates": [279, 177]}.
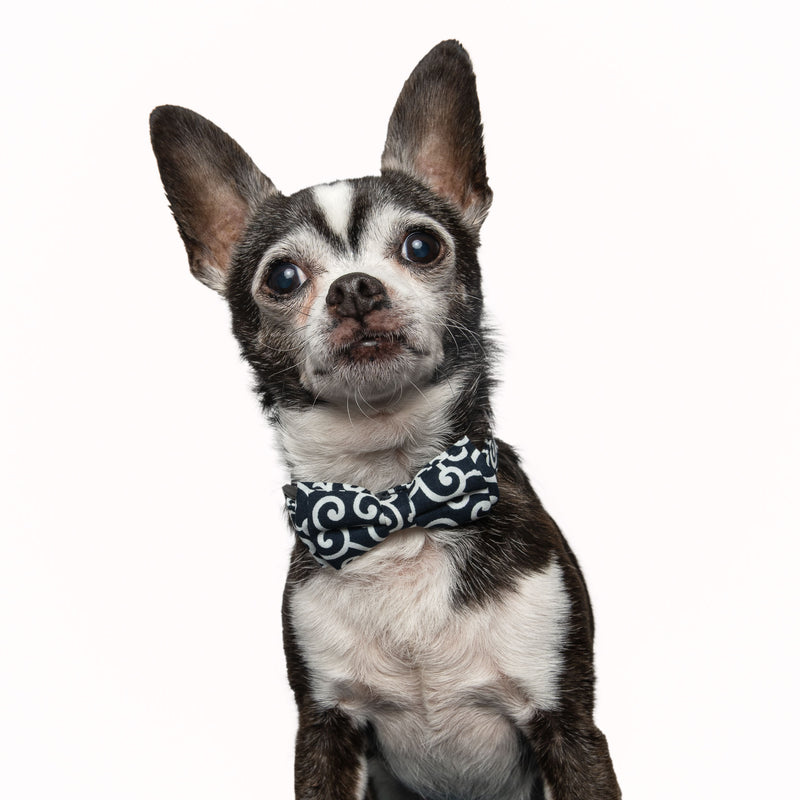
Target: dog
{"type": "Point", "coordinates": [439, 647]}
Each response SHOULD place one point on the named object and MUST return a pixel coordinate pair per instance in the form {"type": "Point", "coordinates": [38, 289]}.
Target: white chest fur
{"type": "Point", "coordinates": [441, 686]}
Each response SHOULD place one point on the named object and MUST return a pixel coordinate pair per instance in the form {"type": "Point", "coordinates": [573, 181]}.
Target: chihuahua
{"type": "Point", "coordinates": [437, 628]}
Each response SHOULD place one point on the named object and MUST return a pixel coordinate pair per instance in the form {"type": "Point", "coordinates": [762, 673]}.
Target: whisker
{"type": "Point", "coordinates": [453, 337]}
{"type": "Point", "coordinates": [358, 406]}
{"type": "Point", "coordinates": [398, 392]}
{"type": "Point", "coordinates": [422, 394]}
{"type": "Point", "coordinates": [283, 350]}
{"type": "Point", "coordinates": [290, 349]}
{"type": "Point", "coordinates": [366, 402]}
{"type": "Point", "coordinates": [347, 406]}
{"type": "Point", "coordinates": [281, 371]}
{"type": "Point", "coordinates": [467, 332]}
{"type": "Point", "coordinates": [450, 386]}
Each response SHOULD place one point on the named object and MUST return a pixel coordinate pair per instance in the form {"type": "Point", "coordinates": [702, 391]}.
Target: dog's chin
{"type": "Point", "coordinates": [371, 374]}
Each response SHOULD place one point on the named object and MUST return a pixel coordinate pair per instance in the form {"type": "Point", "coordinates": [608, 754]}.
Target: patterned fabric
{"type": "Point", "coordinates": [338, 521]}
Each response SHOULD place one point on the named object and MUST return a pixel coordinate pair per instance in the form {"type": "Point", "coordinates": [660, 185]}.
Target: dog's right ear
{"type": "Point", "coordinates": [212, 185]}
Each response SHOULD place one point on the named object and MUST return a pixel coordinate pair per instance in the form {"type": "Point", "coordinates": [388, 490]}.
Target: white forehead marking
{"type": "Point", "coordinates": [336, 202]}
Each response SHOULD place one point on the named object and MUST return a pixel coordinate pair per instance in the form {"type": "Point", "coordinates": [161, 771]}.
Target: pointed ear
{"type": "Point", "coordinates": [212, 186]}
{"type": "Point", "coordinates": [435, 133]}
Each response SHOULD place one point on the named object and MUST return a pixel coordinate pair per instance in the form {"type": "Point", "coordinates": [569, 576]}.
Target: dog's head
{"type": "Point", "coordinates": [360, 289]}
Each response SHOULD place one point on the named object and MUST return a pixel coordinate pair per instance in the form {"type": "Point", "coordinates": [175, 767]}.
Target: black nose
{"type": "Point", "coordinates": [355, 295]}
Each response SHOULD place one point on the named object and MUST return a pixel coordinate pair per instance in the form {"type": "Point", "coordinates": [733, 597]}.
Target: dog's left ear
{"type": "Point", "coordinates": [435, 132]}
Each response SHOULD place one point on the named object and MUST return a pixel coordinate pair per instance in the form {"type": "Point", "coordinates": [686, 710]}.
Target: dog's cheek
{"type": "Point", "coordinates": [271, 347]}
{"type": "Point", "coordinates": [425, 294]}
{"type": "Point", "coordinates": [303, 314]}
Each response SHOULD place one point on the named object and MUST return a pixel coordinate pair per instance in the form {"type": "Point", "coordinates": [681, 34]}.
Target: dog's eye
{"type": "Point", "coordinates": [284, 277]}
{"type": "Point", "coordinates": [420, 248]}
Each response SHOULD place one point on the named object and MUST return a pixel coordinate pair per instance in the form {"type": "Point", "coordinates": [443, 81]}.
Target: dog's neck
{"type": "Point", "coordinates": [377, 449]}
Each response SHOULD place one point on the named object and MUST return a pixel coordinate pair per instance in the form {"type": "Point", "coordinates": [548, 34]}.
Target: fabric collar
{"type": "Point", "coordinates": [337, 522]}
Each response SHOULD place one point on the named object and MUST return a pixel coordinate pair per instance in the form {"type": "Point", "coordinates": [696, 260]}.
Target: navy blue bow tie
{"type": "Point", "coordinates": [339, 521]}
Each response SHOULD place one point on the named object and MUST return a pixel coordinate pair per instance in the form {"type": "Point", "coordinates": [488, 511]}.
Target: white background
{"type": "Point", "coordinates": [641, 262]}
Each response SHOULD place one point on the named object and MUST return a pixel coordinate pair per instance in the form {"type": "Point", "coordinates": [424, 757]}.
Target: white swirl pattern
{"type": "Point", "coordinates": [339, 521]}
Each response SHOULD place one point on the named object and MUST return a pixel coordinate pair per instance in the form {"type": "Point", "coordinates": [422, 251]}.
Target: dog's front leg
{"type": "Point", "coordinates": [574, 759]}
{"type": "Point", "coordinates": [330, 757]}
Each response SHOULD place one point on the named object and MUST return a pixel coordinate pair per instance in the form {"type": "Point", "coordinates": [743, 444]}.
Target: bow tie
{"type": "Point", "coordinates": [339, 521]}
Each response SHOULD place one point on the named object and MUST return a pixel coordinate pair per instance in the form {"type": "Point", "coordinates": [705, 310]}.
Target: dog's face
{"type": "Point", "coordinates": [357, 291]}
{"type": "Point", "coordinates": [350, 289]}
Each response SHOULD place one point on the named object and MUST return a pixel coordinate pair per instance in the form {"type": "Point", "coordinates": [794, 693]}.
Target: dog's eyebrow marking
{"type": "Point", "coordinates": [363, 205]}
{"type": "Point", "coordinates": [335, 200]}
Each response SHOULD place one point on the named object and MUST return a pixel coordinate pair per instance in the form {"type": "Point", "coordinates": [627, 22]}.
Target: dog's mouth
{"type": "Point", "coordinates": [369, 346]}
{"type": "Point", "coordinates": [373, 361]}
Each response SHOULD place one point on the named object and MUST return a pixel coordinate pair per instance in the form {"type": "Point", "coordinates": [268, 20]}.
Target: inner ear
{"type": "Point", "coordinates": [219, 215]}
{"type": "Point", "coordinates": [435, 132]}
{"type": "Point", "coordinates": [434, 164]}
{"type": "Point", "coordinates": [212, 185]}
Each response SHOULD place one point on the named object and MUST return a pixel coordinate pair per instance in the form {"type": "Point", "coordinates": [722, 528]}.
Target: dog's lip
{"type": "Point", "coordinates": [371, 339]}
{"type": "Point", "coordinates": [375, 346]}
